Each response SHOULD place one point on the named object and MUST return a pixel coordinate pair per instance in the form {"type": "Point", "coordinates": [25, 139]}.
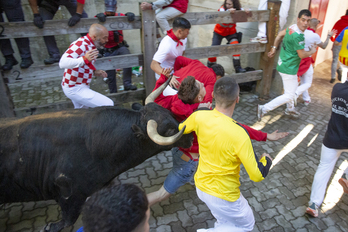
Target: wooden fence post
{"type": "Point", "coordinates": [148, 39]}
{"type": "Point", "coordinates": [266, 63]}
{"type": "Point", "coordinates": [6, 104]}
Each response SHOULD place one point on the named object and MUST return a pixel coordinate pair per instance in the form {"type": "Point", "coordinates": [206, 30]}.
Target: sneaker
{"type": "Point", "coordinates": [26, 62]}
{"type": "Point", "coordinates": [332, 80]}
{"type": "Point", "coordinates": [295, 100]}
{"type": "Point", "coordinates": [258, 39]}
{"type": "Point", "coordinates": [259, 112]}
{"type": "Point", "coordinates": [339, 74]}
{"type": "Point", "coordinates": [292, 113]}
{"type": "Point", "coordinates": [130, 87]}
{"type": "Point", "coordinates": [343, 181]}
{"type": "Point", "coordinates": [312, 210]}
{"type": "Point", "coordinates": [306, 103]}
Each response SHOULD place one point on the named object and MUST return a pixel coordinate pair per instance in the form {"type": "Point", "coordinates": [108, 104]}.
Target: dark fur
{"type": "Point", "coordinates": [67, 156]}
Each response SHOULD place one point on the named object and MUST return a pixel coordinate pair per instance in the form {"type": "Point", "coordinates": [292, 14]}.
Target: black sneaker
{"type": "Point", "coordinates": [130, 87]}
{"type": "Point", "coordinates": [9, 63]}
{"type": "Point", "coordinates": [332, 80]}
{"type": "Point", "coordinates": [26, 62]}
{"type": "Point", "coordinates": [52, 60]}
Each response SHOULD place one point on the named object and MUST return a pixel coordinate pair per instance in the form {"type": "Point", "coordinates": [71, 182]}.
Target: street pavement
{"type": "Point", "coordinates": [278, 202]}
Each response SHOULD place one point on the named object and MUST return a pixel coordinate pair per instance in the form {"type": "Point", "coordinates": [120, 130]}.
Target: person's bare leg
{"type": "Point", "coordinates": [158, 196]}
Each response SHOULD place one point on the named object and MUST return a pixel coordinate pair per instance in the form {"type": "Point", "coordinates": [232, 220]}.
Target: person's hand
{"type": "Point", "coordinates": [38, 21]}
{"type": "Point", "coordinates": [267, 155]}
{"type": "Point", "coordinates": [272, 52]}
{"type": "Point", "coordinates": [232, 10]}
{"type": "Point", "coordinates": [74, 19]}
{"type": "Point", "coordinates": [205, 105]}
{"type": "Point", "coordinates": [174, 83]}
{"type": "Point", "coordinates": [276, 136]}
{"type": "Point", "coordinates": [247, 10]}
{"type": "Point", "coordinates": [92, 54]}
{"type": "Point", "coordinates": [331, 33]}
{"type": "Point", "coordinates": [146, 6]}
{"type": "Point", "coordinates": [167, 71]}
{"type": "Point", "coordinates": [313, 48]}
{"type": "Point", "coordinates": [100, 73]}
{"type": "Point", "coordinates": [101, 17]}
{"type": "Point", "coordinates": [130, 16]}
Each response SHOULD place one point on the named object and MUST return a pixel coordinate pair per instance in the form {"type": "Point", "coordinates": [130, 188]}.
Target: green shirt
{"type": "Point", "coordinates": [289, 61]}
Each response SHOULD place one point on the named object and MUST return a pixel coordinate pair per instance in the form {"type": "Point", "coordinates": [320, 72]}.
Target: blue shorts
{"type": "Point", "coordinates": [181, 173]}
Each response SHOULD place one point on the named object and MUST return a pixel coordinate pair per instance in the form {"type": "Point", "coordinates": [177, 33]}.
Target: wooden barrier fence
{"type": "Point", "coordinates": [147, 24]}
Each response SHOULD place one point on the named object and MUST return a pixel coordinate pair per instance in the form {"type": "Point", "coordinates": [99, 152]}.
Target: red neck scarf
{"type": "Point", "coordinates": [311, 29]}
{"type": "Point", "coordinates": [171, 34]}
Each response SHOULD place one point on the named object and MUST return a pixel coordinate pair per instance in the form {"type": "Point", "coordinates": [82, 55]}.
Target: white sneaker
{"type": "Point", "coordinates": [306, 103]}
{"type": "Point", "coordinates": [292, 113]}
{"type": "Point", "coordinates": [259, 112]}
{"type": "Point", "coordinates": [258, 39]}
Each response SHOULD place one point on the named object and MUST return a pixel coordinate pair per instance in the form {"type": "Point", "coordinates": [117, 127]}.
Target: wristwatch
{"type": "Point", "coordinates": [274, 47]}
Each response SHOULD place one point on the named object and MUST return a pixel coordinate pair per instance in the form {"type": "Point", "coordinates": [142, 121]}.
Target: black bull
{"type": "Point", "coordinates": [67, 156]}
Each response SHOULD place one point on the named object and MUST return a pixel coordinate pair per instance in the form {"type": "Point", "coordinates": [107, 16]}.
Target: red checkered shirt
{"type": "Point", "coordinates": [78, 70]}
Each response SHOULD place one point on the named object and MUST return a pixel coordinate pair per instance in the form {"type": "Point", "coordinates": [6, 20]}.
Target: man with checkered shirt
{"type": "Point", "coordinates": [78, 62]}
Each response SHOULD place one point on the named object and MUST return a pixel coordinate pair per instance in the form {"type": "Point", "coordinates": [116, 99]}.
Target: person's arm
{"type": "Point", "coordinates": [70, 59]}
{"type": "Point", "coordinates": [189, 123]}
{"type": "Point", "coordinates": [38, 21]}
{"type": "Point", "coordinates": [34, 7]}
{"type": "Point", "coordinates": [324, 44]}
{"type": "Point", "coordinates": [80, 5]}
{"type": "Point", "coordinates": [156, 67]}
{"type": "Point", "coordinates": [181, 62]}
{"type": "Point", "coordinates": [277, 41]}
{"type": "Point", "coordinates": [155, 5]}
{"type": "Point", "coordinates": [182, 110]}
{"type": "Point", "coordinates": [255, 134]}
{"type": "Point", "coordinates": [304, 54]}
{"type": "Point", "coordinates": [75, 18]}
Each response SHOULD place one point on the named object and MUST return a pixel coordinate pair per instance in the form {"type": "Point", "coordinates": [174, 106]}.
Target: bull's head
{"type": "Point", "coordinates": [162, 127]}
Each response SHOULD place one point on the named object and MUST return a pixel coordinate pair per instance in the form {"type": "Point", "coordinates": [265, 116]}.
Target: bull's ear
{"type": "Point", "coordinates": [139, 133]}
{"type": "Point", "coordinates": [64, 184]}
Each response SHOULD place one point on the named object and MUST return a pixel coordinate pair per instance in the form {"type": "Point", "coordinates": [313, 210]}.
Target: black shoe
{"type": "Point", "coordinates": [10, 61]}
{"type": "Point", "coordinates": [26, 62]}
{"type": "Point", "coordinates": [52, 60]}
{"type": "Point", "coordinates": [339, 74]}
{"type": "Point", "coordinates": [332, 80]}
{"type": "Point", "coordinates": [130, 87]}
{"type": "Point", "coordinates": [240, 69]}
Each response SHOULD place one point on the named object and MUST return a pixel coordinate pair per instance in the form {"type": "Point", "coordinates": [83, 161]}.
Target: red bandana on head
{"type": "Point", "coordinates": [171, 34]}
{"type": "Point", "coordinates": [311, 29]}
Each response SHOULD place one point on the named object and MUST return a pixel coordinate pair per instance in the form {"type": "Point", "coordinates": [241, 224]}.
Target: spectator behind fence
{"type": "Point", "coordinates": [291, 53]}
{"type": "Point", "coordinates": [45, 10]}
{"type": "Point", "coordinates": [14, 13]}
{"type": "Point", "coordinates": [228, 31]}
{"type": "Point", "coordinates": [115, 46]}
{"type": "Point", "coordinates": [166, 10]}
{"type": "Point", "coordinates": [117, 208]}
{"type": "Point", "coordinates": [336, 48]}
{"type": "Point", "coordinates": [78, 62]}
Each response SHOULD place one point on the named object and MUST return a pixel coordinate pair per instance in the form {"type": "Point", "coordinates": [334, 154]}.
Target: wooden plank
{"type": "Point", "coordinates": [48, 71]}
{"type": "Point", "coordinates": [224, 50]}
{"type": "Point", "coordinates": [266, 64]}
{"type": "Point", "coordinates": [118, 98]}
{"type": "Point", "coordinates": [59, 27]}
{"type": "Point", "coordinates": [148, 35]}
{"type": "Point", "coordinates": [6, 104]}
{"type": "Point", "coordinates": [201, 18]}
{"type": "Point", "coordinates": [248, 76]}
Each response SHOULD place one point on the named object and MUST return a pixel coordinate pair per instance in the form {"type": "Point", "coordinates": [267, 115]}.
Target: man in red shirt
{"type": "Point", "coordinates": [116, 46]}
{"type": "Point", "coordinates": [185, 161]}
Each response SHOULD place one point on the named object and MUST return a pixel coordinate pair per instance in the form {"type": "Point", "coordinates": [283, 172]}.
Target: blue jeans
{"type": "Point", "coordinates": [181, 173]}
{"type": "Point", "coordinates": [48, 9]}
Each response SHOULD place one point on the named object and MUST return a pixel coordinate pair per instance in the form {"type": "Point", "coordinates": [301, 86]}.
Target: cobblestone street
{"type": "Point", "coordinates": [278, 202]}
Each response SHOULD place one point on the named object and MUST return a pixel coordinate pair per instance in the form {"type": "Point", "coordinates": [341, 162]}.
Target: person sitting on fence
{"type": "Point", "coordinates": [118, 208]}
{"type": "Point", "coordinates": [166, 10]}
{"type": "Point", "coordinates": [14, 13]}
{"type": "Point", "coordinates": [228, 31]}
{"type": "Point", "coordinates": [45, 10]}
{"type": "Point", "coordinates": [116, 46]}
{"type": "Point", "coordinates": [78, 62]}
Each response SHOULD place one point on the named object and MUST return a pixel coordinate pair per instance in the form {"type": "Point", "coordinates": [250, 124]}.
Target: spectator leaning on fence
{"type": "Point", "coordinates": [78, 62]}
{"type": "Point", "coordinates": [14, 13]}
{"type": "Point", "coordinates": [45, 10]}
{"type": "Point", "coordinates": [115, 46]}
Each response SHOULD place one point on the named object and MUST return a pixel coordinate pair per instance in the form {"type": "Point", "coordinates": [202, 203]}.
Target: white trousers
{"type": "Point", "coordinates": [163, 15]}
{"type": "Point", "coordinates": [344, 72]}
{"type": "Point", "coordinates": [328, 159]}
{"type": "Point", "coordinates": [231, 216]}
{"type": "Point", "coordinates": [290, 85]}
{"type": "Point", "coordinates": [306, 82]}
{"type": "Point", "coordinates": [83, 97]}
{"type": "Point", "coordinates": [283, 14]}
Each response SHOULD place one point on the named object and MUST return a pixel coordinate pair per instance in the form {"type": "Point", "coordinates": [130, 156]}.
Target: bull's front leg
{"type": "Point", "coordinates": [71, 209]}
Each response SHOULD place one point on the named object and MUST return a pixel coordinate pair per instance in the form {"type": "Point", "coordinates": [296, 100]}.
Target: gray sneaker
{"type": "Point", "coordinates": [292, 113]}
{"type": "Point", "coordinates": [259, 112]}
{"type": "Point", "coordinates": [312, 210]}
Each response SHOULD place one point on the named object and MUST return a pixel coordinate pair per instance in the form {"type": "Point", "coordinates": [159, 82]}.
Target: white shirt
{"type": "Point", "coordinates": [310, 39]}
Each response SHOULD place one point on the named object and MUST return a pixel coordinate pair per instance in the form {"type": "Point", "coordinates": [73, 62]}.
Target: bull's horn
{"type": "Point", "coordinates": [152, 96]}
{"type": "Point", "coordinates": [159, 139]}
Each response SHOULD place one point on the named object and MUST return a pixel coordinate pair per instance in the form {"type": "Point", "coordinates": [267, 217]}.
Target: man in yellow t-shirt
{"type": "Point", "coordinates": [223, 146]}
